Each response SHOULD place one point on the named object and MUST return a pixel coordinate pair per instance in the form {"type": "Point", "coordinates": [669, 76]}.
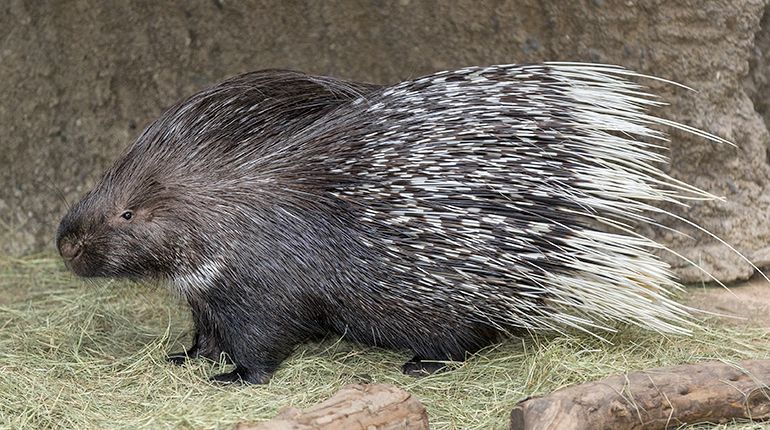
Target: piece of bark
{"type": "Point", "coordinates": [654, 399]}
{"type": "Point", "coordinates": [355, 407]}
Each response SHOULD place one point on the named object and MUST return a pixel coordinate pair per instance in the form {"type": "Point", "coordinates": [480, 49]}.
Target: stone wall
{"type": "Point", "coordinates": [80, 79]}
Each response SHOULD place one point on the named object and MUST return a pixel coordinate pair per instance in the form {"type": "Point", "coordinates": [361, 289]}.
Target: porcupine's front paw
{"type": "Point", "coordinates": [419, 366]}
{"type": "Point", "coordinates": [202, 346]}
{"type": "Point", "coordinates": [243, 376]}
{"type": "Point", "coordinates": [181, 357]}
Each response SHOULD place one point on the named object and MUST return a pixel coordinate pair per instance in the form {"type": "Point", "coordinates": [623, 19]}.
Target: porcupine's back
{"type": "Point", "coordinates": [478, 190]}
{"type": "Point", "coordinates": [237, 120]}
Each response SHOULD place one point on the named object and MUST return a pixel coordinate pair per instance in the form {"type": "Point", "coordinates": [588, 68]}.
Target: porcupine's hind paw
{"type": "Point", "coordinates": [419, 366]}
{"type": "Point", "coordinates": [243, 376]}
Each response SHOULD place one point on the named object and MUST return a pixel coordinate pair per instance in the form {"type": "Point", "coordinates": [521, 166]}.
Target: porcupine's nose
{"type": "Point", "coordinates": [69, 249]}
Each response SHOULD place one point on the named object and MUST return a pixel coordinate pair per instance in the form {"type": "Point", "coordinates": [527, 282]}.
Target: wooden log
{"type": "Point", "coordinates": [355, 407]}
{"type": "Point", "coordinates": [654, 399]}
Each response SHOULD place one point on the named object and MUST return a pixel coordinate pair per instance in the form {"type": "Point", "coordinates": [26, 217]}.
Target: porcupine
{"type": "Point", "coordinates": [435, 215]}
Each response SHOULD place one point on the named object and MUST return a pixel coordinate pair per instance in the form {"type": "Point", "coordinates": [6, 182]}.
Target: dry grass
{"type": "Point", "coordinates": [91, 355]}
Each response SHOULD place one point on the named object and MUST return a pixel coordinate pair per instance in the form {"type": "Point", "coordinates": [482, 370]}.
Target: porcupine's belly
{"type": "Point", "coordinates": [423, 328]}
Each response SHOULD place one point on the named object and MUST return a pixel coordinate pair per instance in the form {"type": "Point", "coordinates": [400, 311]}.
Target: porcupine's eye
{"type": "Point", "coordinates": [127, 215]}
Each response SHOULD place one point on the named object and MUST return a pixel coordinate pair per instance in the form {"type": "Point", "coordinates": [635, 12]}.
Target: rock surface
{"type": "Point", "coordinates": [744, 304]}
{"type": "Point", "coordinates": [81, 79]}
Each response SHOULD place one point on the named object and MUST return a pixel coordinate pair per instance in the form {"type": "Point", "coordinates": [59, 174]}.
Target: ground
{"type": "Point", "coordinates": [746, 303]}
{"type": "Point", "coordinates": [77, 354]}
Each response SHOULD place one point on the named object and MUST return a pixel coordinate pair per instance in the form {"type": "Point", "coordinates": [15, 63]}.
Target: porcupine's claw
{"type": "Point", "coordinates": [418, 366]}
{"type": "Point", "coordinates": [181, 357]}
{"type": "Point", "coordinates": [243, 376]}
{"type": "Point", "coordinates": [202, 346]}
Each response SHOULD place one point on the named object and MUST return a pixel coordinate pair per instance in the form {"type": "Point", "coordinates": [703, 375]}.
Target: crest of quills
{"type": "Point", "coordinates": [435, 215]}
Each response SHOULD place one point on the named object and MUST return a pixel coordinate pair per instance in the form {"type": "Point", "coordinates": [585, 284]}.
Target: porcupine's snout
{"type": "Point", "coordinates": [78, 242]}
{"type": "Point", "coordinates": [70, 249]}
{"type": "Point", "coordinates": [70, 245]}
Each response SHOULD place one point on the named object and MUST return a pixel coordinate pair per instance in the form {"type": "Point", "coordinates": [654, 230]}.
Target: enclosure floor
{"type": "Point", "coordinates": [745, 303]}
{"type": "Point", "coordinates": [77, 354]}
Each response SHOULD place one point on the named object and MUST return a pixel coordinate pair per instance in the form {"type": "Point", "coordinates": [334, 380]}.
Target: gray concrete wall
{"type": "Point", "coordinates": [80, 79]}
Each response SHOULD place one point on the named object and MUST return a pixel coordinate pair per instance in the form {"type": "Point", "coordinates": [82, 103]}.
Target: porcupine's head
{"type": "Point", "coordinates": [171, 201]}
{"type": "Point", "coordinates": [136, 220]}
